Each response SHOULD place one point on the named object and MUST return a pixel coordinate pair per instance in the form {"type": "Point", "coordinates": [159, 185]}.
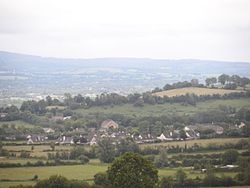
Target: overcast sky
{"type": "Point", "coordinates": [176, 29]}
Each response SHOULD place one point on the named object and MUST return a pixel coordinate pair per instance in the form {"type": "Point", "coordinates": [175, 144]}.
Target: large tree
{"type": "Point", "coordinates": [230, 156]}
{"type": "Point", "coordinates": [106, 150]}
{"type": "Point", "coordinates": [133, 171]}
{"type": "Point", "coordinates": [223, 78]}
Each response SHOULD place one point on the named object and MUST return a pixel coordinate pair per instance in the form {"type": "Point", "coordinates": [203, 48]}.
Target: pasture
{"type": "Point", "coordinates": [24, 175]}
{"type": "Point", "coordinates": [80, 172]}
{"type": "Point", "coordinates": [200, 142]}
{"type": "Point", "coordinates": [163, 109]}
{"type": "Point", "coordinates": [17, 124]}
{"type": "Point", "coordinates": [38, 151]}
{"type": "Point", "coordinates": [194, 90]}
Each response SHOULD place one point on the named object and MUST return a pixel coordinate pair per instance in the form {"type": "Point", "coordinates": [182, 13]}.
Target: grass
{"type": "Point", "coordinates": [17, 160]}
{"type": "Point", "coordinates": [201, 142]}
{"type": "Point", "coordinates": [195, 90]}
{"type": "Point", "coordinates": [80, 172]}
{"type": "Point", "coordinates": [39, 150]}
{"type": "Point", "coordinates": [17, 124]}
{"type": "Point", "coordinates": [163, 109]}
{"type": "Point", "coordinates": [55, 107]}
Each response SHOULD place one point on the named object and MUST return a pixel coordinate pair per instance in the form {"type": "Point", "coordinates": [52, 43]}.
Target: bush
{"type": "Point", "coordinates": [84, 159]}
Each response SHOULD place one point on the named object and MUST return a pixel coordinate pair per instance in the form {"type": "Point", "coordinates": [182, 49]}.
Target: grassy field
{"type": "Point", "coordinates": [81, 172]}
{"type": "Point", "coordinates": [195, 90]}
{"type": "Point", "coordinates": [23, 175]}
{"type": "Point", "coordinates": [55, 107]}
{"type": "Point", "coordinates": [201, 142]}
{"type": "Point", "coordinates": [17, 124]}
{"type": "Point", "coordinates": [39, 150]}
{"type": "Point", "coordinates": [161, 109]}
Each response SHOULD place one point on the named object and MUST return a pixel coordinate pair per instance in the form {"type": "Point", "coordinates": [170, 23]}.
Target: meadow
{"type": "Point", "coordinates": [194, 90]}
{"type": "Point", "coordinates": [17, 124]}
{"type": "Point", "coordinates": [24, 175]}
{"type": "Point", "coordinates": [162, 109]}
{"type": "Point", "coordinates": [200, 142]}
{"type": "Point", "coordinates": [80, 172]}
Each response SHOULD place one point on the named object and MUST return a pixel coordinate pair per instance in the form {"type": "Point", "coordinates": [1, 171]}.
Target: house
{"type": "Point", "coordinates": [93, 140]}
{"type": "Point", "coordinates": [109, 123]}
{"type": "Point", "coordinates": [219, 130]}
{"type": "Point", "coordinates": [3, 115]}
{"type": "Point", "coordinates": [66, 118]}
{"type": "Point", "coordinates": [36, 138]}
{"type": "Point", "coordinates": [65, 140]}
{"type": "Point", "coordinates": [82, 140]}
{"type": "Point", "coordinates": [229, 166]}
{"type": "Point", "coordinates": [57, 118]}
{"type": "Point", "coordinates": [191, 133]}
{"type": "Point", "coordinates": [203, 170]}
{"type": "Point", "coordinates": [241, 125]}
{"type": "Point", "coordinates": [48, 130]}
{"type": "Point", "coordinates": [10, 137]}
{"type": "Point", "coordinates": [162, 137]}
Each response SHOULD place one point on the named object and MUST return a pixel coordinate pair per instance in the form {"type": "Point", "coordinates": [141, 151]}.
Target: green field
{"type": "Point", "coordinates": [194, 90]}
{"type": "Point", "coordinates": [200, 142]}
{"type": "Point", "coordinates": [81, 172]}
{"type": "Point", "coordinates": [39, 150]}
{"type": "Point", "coordinates": [23, 175]}
{"type": "Point", "coordinates": [17, 124]}
{"type": "Point", "coordinates": [55, 107]}
{"type": "Point", "coordinates": [161, 109]}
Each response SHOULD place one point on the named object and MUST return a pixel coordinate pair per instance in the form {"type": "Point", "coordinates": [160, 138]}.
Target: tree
{"type": "Point", "coordinates": [57, 181]}
{"type": "Point", "coordinates": [101, 179]}
{"type": "Point", "coordinates": [213, 80]}
{"type": "Point", "coordinates": [194, 82]}
{"type": "Point", "coordinates": [230, 156]}
{"type": "Point", "coordinates": [54, 181]}
{"type": "Point", "coordinates": [52, 146]}
{"type": "Point", "coordinates": [236, 79]}
{"type": "Point", "coordinates": [183, 135]}
{"type": "Point", "coordinates": [210, 179]}
{"type": "Point", "coordinates": [139, 103]}
{"type": "Point", "coordinates": [133, 171]}
{"type": "Point", "coordinates": [208, 81]}
{"type": "Point", "coordinates": [106, 150]}
{"type": "Point", "coordinates": [127, 145]}
{"type": "Point", "coordinates": [166, 182]}
{"type": "Point", "coordinates": [162, 161]}
{"type": "Point", "coordinates": [223, 78]}
{"type": "Point", "coordinates": [180, 177]}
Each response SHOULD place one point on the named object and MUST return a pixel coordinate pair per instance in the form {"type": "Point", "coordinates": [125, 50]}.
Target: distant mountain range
{"type": "Point", "coordinates": [21, 74]}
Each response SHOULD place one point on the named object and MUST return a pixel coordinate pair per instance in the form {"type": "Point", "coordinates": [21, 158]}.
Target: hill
{"type": "Point", "coordinates": [194, 90]}
{"type": "Point", "coordinates": [24, 76]}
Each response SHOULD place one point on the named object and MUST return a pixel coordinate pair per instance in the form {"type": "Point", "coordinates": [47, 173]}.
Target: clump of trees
{"type": "Point", "coordinates": [229, 82]}
{"type": "Point", "coordinates": [108, 150]}
{"type": "Point", "coordinates": [132, 170]}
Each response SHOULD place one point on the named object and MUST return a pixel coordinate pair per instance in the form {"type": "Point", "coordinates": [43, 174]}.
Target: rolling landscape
{"type": "Point", "coordinates": [124, 94]}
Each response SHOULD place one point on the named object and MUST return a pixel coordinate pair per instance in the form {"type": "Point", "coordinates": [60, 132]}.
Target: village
{"type": "Point", "coordinates": [110, 129]}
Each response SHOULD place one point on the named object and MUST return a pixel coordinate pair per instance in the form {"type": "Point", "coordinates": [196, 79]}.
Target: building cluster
{"type": "Point", "coordinates": [110, 129]}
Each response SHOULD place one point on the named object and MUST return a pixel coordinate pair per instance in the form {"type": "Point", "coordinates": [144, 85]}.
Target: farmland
{"type": "Point", "coordinates": [17, 124]}
{"type": "Point", "coordinates": [201, 142]}
{"type": "Point", "coordinates": [162, 109]}
{"type": "Point", "coordinates": [23, 175]}
{"type": "Point", "coordinates": [194, 90]}
{"type": "Point", "coordinates": [80, 172]}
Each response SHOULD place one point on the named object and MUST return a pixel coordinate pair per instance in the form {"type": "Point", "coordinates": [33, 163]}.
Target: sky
{"type": "Point", "coordinates": [162, 29]}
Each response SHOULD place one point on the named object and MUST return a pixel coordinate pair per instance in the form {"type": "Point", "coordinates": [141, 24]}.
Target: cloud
{"type": "Point", "coordinates": [208, 29]}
